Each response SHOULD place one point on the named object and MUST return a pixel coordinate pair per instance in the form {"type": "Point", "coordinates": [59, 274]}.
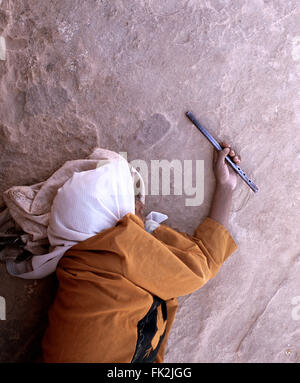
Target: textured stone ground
{"type": "Point", "coordinates": [120, 74]}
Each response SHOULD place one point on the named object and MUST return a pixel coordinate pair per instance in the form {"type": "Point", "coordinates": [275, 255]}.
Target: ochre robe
{"type": "Point", "coordinates": [116, 300]}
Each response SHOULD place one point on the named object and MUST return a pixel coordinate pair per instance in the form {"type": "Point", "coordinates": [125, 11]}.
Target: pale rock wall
{"type": "Point", "coordinates": [121, 74]}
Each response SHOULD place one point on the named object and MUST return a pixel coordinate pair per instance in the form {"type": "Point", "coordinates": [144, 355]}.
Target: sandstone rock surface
{"type": "Point", "coordinates": [121, 74]}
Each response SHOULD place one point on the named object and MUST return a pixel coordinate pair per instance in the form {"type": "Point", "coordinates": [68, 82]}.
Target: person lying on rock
{"type": "Point", "coordinates": [117, 294]}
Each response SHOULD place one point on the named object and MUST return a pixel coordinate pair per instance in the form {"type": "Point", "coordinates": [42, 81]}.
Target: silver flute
{"type": "Point", "coordinates": [235, 167]}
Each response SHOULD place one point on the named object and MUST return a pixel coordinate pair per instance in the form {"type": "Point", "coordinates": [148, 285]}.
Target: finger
{"type": "Point", "coordinates": [225, 144]}
{"type": "Point", "coordinates": [236, 159]}
{"type": "Point", "coordinates": [222, 154]}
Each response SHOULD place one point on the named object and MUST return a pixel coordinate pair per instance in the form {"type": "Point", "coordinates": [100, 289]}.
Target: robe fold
{"type": "Point", "coordinates": [116, 299]}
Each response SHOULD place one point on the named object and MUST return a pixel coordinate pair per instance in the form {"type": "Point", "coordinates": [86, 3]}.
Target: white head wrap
{"type": "Point", "coordinates": [88, 203]}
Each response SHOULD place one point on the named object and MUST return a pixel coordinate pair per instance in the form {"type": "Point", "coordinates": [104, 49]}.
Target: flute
{"type": "Point", "coordinates": [235, 167]}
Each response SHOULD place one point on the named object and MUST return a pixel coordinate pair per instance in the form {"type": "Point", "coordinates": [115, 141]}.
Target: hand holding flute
{"type": "Point", "coordinates": [226, 181]}
{"type": "Point", "coordinates": [225, 175]}
{"type": "Point", "coordinates": [217, 146]}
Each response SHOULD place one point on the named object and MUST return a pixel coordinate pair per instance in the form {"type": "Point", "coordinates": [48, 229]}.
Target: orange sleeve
{"type": "Point", "coordinates": [215, 245]}
{"type": "Point", "coordinates": [169, 263]}
{"type": "Point", "coordinates": [166, 263]}
{"type": "Point", "coordinates": [204, 252]}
